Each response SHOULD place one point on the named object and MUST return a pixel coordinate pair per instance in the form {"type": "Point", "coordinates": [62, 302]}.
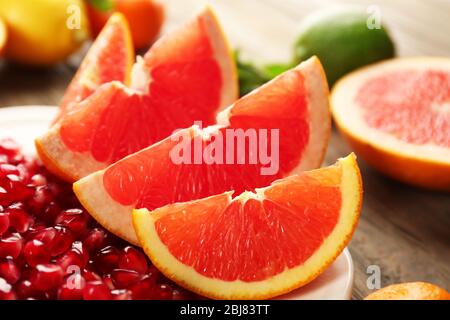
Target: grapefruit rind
{"type": "Point", "coordinates": [288, 280]}
{"type": "Point", "coordinates": [425, 166]}
{"type": "Point", "coordinates": [117, 218]}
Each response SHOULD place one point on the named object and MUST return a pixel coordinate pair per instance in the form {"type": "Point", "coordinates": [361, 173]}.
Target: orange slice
{"type": "Point", "coordinates": [110, 58]}
{"type": "Point", "coordinates": [256, 245]}
{"type": "Point", "coordinates": [295, 105]}
{"type": "Point", "coordinates": [396, 116]}
{"type": "Point", "coordinates": [187, 75]}
{"type": "Point", "coordinates": [410, 291]}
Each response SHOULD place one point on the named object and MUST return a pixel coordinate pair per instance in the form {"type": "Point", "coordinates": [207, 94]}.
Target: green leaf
{"type": "Point", "coordinates": [102, 5]}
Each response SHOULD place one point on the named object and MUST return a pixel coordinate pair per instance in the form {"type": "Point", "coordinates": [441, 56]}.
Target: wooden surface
{"type": "Point", "coordinates": [403, 230]}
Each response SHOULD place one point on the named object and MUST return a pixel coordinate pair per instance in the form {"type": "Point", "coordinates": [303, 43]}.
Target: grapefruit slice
{"type": "Point", "coordinates": [187, 75]}
{"type": "Point", "coordinates": [259, 244]}
{"type": "Point", "coordinates": [110, 58]}
{"type": "Point", "coordinates": [295, 103]}
{"type": "Point", "coordinates": [396, 116]}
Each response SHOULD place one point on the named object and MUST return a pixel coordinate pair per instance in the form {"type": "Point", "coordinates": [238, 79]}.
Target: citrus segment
{"type": "Point", "coordinates": [110, 58]}
{"type": "Point", "coordinates": [188, 75]}
{"type": "Point", "coordinates": [396, 115]}
{"type": "Point", "coordinates": [256, 245]}
{"type": "Point", "coordinates": [285, 125]}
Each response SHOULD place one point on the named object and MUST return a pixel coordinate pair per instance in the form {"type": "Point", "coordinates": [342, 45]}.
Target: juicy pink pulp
{"type": "Point", "coordinates": [186, 86]}
{"type": "Point", "coordinates": [50, 248]}
{"type": "Point", "coordinates": [412, 105]}
{"type": "Point", "coordinates": [150, 178]}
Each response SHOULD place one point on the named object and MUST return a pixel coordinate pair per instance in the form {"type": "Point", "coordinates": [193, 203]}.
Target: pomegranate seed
{"type": "Point", "coordinates": [6, 291]}
{"type": "Point", "coordinates": [41, 198]}
{"type": "Point", "coordinates": [38, 180]}
{"type": "Point", "coordinates": [11, 246]}
{"type": "Point", "coordinates": [96, 290]}
{"type": "Point", "coordinates": [121, 294]}
{"type": "Point", "coordinates": [95, 240]}
{"type": "Point", "coordinates": [107, 259]}
{"type": "Point", "coordinates": [57, 239]}
{"type": "Point", "coordinates": [4, 222]}
{"type": "Point", "coordinates": [18, 218]}
{"type": "Point", "coordinates": [74, 219]}
{"type": "Point", "coordinates": [9, 147]}
{"type": "Point", "coordinates": [124, 278]}
{"type": "Point", "coordinates": [9, 271]}
{"type": "Point", "coordinates": [46, 276]}
{"type": "Point", "coordinates": [132, 259]}
{"type": "Point", "coordinates": [72, 289]}
{"type": "Point", "coordinates": [143, 290]}
{"type": "Point", "coordinates": [163, 292]}
{"type": "Point", "coordinates": [36, 252]}
{"type": "Point", "coordinates": [70, 258]}
{"type": "Point", "coordinates": [91, 276]}
{"type": "Point", "coordinates": [6, 169]}
{"type": "Point", "coordinates": [13, 190]}
{"type": "Point", "coordinates": [50, 212]}
{"type": "Point", "coordinates": [24, 289]}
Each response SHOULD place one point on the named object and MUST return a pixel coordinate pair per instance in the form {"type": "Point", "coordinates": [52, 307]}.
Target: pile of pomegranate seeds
{"type": "Point", "coordinates": [50, 248]}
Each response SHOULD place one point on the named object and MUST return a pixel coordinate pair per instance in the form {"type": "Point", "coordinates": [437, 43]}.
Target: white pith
{"type": "Point", "coordinates": [349, 116]}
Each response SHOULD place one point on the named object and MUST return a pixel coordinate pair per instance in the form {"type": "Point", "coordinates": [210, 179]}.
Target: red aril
{"type": "Point", "coordinates": [132, 259]}
{"type": "Point", "coordinates": [46, 276]}
{"type": "Point", "coordinates": [11, 246]}
{"type": "Point", "coordinates": [9, 271]}
{"type": "Point", "coordinates": [24, 289]}
{"type": "Point", "coordinates": [6, 291]}
{"type": "Point", "coordinates": [123, 278]}
{"type": "Point", "coordinates": [36, 252]}
{"type": "Point", "coordinates": [96, 290]}
{"type": "Point", "coordinates": [74, 219]}
{"type": "Point", "coordinates": [66, 292]}
{"type": "Point", "coordinates": [107, 259]}
{"type": "Point", "coordinates": [19, 220]}
{"type": "Point", "coordinates": [95, 240]}
{"type": "Point", "coordinates": [4, 221]}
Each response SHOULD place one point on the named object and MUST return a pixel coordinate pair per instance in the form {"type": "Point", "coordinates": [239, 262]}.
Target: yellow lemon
{"type": "Point", "coordinates": [43, 32]}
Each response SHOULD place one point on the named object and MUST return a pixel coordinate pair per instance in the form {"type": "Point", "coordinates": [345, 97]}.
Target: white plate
{"type": "Point", "coordinates": [25, 123]}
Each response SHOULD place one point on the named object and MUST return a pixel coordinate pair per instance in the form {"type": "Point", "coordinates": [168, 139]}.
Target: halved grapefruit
{"type": "Point", "coordinates": [396, 116]}
{"type": "Point", "coordinates": [295, 103]}
{"type": "Point", "coordinates": [187, 75]}
{"type": "Point", "coordinates": [258, 244]}
{"type": "Point", "coordinates": [110, 58]}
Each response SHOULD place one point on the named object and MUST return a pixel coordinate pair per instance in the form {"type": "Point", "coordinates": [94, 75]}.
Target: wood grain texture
{"type": "Point", "coordinates": [403, 230]}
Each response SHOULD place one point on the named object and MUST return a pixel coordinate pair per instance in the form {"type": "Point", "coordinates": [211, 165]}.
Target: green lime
{"type": "Point", "coordinates": [343, 41]}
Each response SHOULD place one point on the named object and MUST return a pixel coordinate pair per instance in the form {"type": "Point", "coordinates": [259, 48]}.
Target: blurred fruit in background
{"type": "Point", "coordinates": [344, 40]}
{"type": "Point", "coordinates": [144, 16]}
{"type": "Point", "coordinates": [43, 32]}
{"type": "Point", "coordinates": [410, 291]}
{"type": "Point", "coordinates": [3, 36]}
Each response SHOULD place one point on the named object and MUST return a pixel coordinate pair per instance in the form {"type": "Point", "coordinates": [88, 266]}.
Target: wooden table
{"type": "Point", "coordinates": [403, 230]}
